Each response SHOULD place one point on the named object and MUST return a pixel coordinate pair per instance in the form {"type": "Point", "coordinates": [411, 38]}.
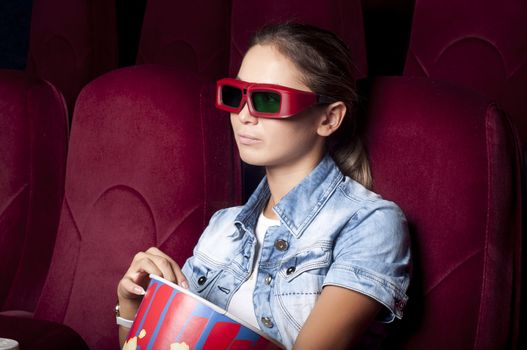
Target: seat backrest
{"type": "Point", "coordinates": [71, 42]}
{"type": "Point", "coordinates": [450, 159]}
{"type": "Point", "coordinates": [190, 34]}
{"type": "Point", "coordinates": [33, 147]}
{"type": "Point", "coordinates": [477, 44]}
{"type": "Point", "coordinates": [150, 160]}
{"type": "Point", "coordinates": [344, 17]}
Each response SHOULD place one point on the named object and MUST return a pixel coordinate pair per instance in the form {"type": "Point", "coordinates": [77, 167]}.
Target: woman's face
{"type": "Point", "coordinates": [275, 142]}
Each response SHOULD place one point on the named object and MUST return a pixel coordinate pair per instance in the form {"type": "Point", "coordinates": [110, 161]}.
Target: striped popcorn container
{"type": "Point", "coordinates": [173, 318]}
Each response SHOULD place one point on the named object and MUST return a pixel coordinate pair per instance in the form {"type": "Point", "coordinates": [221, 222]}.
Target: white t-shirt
{"type": "Point", "coordinates": [241, 304]}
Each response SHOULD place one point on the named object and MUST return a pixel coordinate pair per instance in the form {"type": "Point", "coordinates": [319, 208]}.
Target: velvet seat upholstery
{"type": "Point", "coordinates": [190, 34]}
{"type": "Point", "coordinates": [72, 42]}
{"type": "Point", "coordinates": [481, 45]}
{"type": "Point", "coordinates": [477, 44]}
{"type": "Point", "coordinates": [150, 160]}
{"type": "Point", "coordinates": [447, 156]}
{"type": "Point", "coordinates": [450, 159]}
{"type": "Point", "coordinates": [33, 146]}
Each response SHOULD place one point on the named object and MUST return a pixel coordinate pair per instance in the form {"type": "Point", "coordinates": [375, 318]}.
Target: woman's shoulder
{"type": "Point", "coordinates": [360, 197]}
{"type": "Point", "coordinates": [218, 233]}
{"type": "Point", "coordinates": [366, 211]}
{"type": "Point", "coordinates": [222, 220]}
{"type": "Point", "coordinates": [225, 215]}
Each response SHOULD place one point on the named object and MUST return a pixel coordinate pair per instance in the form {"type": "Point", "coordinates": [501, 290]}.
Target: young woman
{"type": "Point", "coordinates": [314, 258]}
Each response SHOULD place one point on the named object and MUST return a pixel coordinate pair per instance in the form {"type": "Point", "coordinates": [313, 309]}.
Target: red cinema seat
{"type": "Point", "coordinates": [33, 146]}
{"type": "Point", "coordinates": [341, 16]}
{"type": "Point", "coordinates": [477, 44]}
{"type": "Point", "coordinates": [190, 34]}
{"type": "Point", "coordinates": [39, 334]}
{"type": "Point", "coordinates": [72, 42]}
{"type": "Point", "coordinates": [150, 160]}
{"type": "Point", "coordinates": [450, 159]}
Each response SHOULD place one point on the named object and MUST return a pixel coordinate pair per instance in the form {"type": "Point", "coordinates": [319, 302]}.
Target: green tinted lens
{"type": "Point", "coordinates": [231, 96]}
{"type": "Point", "coordinates": [265, 101]}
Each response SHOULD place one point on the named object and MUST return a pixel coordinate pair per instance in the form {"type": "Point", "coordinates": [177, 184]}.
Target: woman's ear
{"type": "Point", "coordinates": [331, 118]}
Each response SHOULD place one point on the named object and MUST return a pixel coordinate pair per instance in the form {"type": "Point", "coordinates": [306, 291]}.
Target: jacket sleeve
{"type": "Point", "coordinates": [372, 256]}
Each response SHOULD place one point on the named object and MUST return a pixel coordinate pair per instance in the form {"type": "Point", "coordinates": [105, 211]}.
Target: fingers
{"type": "Point", "coordinates": [131, 288]}
{"type": "Point", "coordinates": [179, 277]}
{"type": "Point", "coordinates": [157, 264]}
{"type": "Point", "coordinates": [153, 261]}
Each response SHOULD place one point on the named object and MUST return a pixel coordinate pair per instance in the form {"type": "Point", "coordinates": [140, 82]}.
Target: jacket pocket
{"type": "Point", "coordinates": [203, 278]}
{"type": "Point", "coordinates": [299, 284]}
{"type": "Point", "coordinates": [313, 260]}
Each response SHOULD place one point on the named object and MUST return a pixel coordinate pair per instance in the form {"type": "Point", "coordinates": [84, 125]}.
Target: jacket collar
{"type": "Point", "coordinates": [299, 206]}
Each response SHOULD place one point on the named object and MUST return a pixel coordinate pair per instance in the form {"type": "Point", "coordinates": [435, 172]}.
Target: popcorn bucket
{"type": "Point", "coordinates": [173, 318]}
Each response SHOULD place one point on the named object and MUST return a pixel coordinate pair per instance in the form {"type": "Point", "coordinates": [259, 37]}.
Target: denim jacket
{"type": "Point", "coordinates": [332, 231]}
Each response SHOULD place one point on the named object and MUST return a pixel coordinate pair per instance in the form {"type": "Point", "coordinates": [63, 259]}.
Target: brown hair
{"type": "Point", "coordinates": [325, 62]}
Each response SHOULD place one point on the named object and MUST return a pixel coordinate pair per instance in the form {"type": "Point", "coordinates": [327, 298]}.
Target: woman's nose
{"type": "Point", "coordinates": [245, 116]}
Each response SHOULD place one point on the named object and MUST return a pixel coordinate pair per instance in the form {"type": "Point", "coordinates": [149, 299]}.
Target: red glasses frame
{"type": "Point", "coordinates": [292, 101]}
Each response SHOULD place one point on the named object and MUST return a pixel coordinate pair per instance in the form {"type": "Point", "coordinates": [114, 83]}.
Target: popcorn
{"type": "Point", "coordinates": [179, 346]}
{"type": "Point", "coordinates": [142, 334]}
{"type": "Point", "coordinates": [131, 344]}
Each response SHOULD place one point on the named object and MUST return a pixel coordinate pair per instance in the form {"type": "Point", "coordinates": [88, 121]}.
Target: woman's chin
{"type": "Point", "coordinates": [253, 162]}
{"type": "Point", "coordinates": [253, 159]}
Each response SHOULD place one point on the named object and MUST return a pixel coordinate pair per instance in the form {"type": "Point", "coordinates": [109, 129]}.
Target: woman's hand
{"type": "Point", "coordinates": [132, 286]}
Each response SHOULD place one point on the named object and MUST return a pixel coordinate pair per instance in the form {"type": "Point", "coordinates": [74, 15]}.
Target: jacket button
{"type": "Point", "coordinates": [268, 279]}
{"type": "Point", "coordinates": [202, 280]}
{"type": "Point", "coordinates": [267, 322]}
{"type": "Point", "coordinates": [281, 245]}
{"type": "Point", "coordinates": [290, 270]}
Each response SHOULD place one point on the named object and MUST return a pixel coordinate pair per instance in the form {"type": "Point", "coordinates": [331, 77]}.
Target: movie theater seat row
{"type": "Point", "coordinates": [150, 159]}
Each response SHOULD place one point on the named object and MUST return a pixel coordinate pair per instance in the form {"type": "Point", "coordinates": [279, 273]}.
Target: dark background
{"type": "Point", "coordinates": [15, 18]}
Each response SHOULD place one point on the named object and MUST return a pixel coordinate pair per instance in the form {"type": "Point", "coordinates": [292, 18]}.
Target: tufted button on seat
{"type": "Point", "coordinates": [202, 280]}
{"type": "Point", "coordinates": [290, 270]}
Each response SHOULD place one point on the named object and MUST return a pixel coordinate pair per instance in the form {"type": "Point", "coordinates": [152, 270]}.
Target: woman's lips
{"type": "Point", "coordinates": [247, 139]}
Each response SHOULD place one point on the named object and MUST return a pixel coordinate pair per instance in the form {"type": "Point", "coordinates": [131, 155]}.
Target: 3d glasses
{"type": "Point", "coordinates": [264, 100]}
